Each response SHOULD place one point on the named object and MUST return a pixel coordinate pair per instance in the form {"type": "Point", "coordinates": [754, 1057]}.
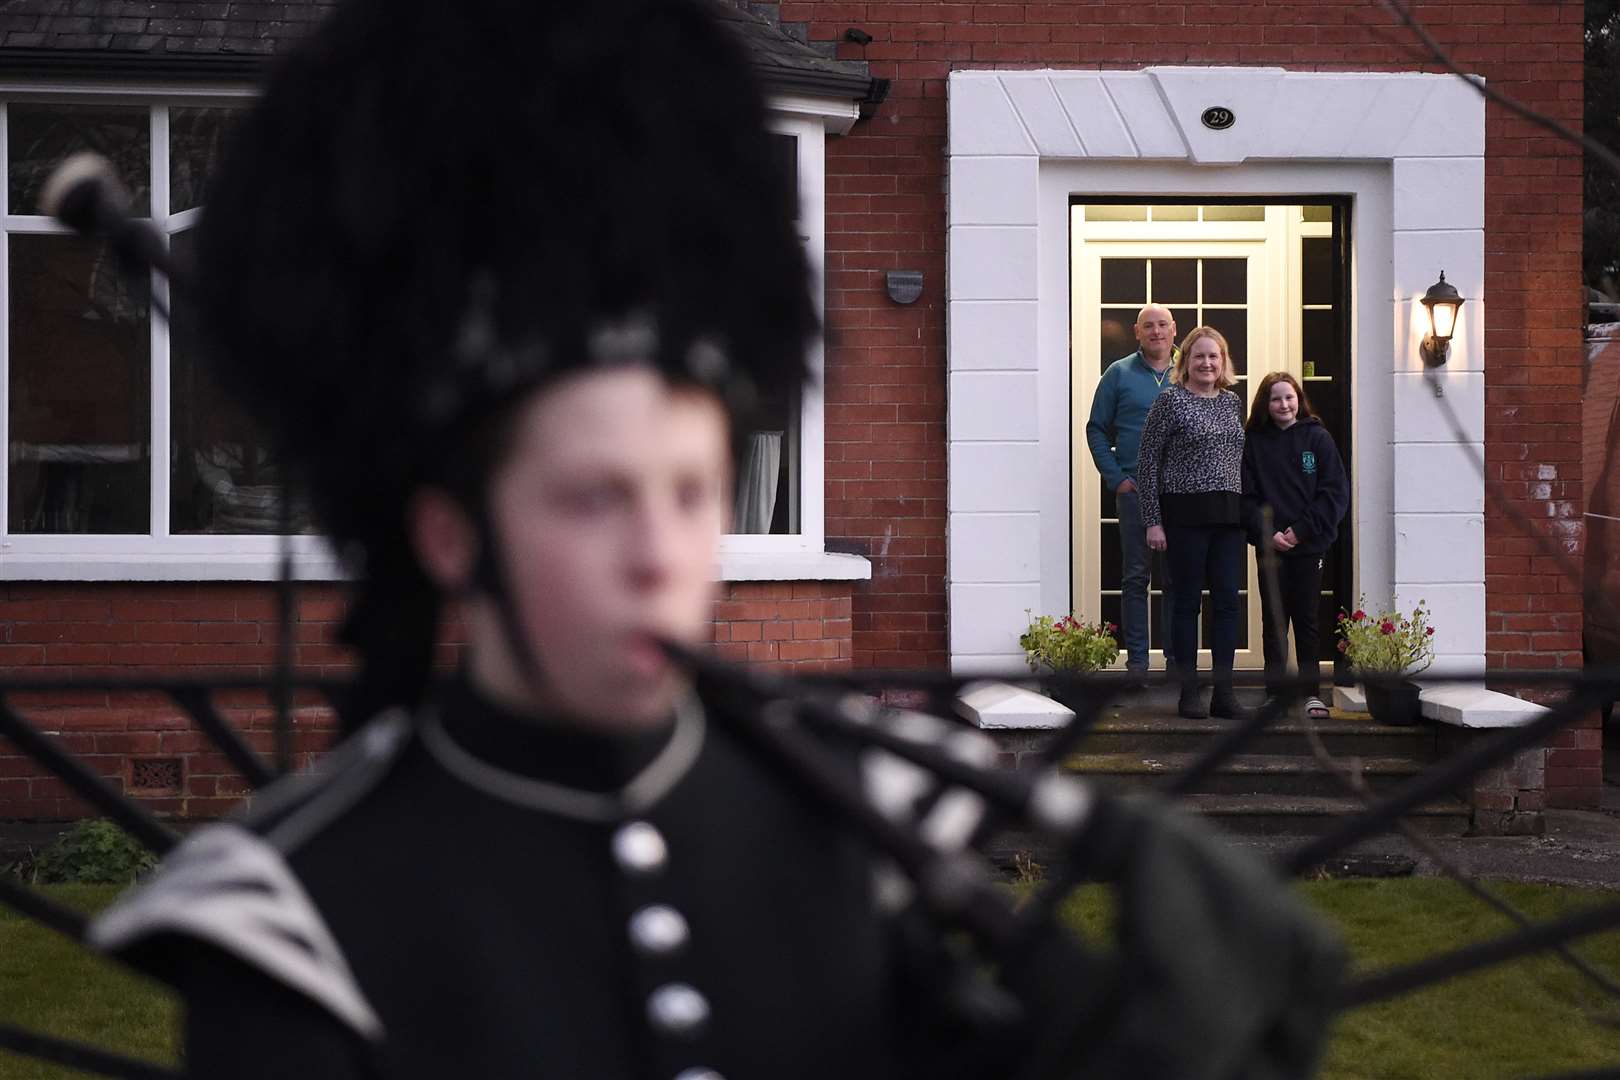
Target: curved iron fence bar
{"type": "Point", "coordinates": [41, 908]}
{"type": "Point", "coordinates": [199, 705]}
{"type": "Point", "coordinates": [1415, 976]}
{"type": "Point", "coordinates": [1446, 777]}
{"type": "Point", "coordinates": [12, 684]}
{"type": "Point", "coordinates": [89, 786]}
{"type": "Point", "coordinates": [286, 609]}
{"type": "Point", "coordinates": [77, 1055]}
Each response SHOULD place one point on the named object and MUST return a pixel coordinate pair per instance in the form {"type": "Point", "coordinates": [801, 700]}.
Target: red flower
{"type": "Point", "coordinates": [1344, 646]}
{"type": "Point", "coordinates": [1358, 615]}
{"type": "Point", "coordinates": [1428, 632]}
{"type": "Point", "coordinates": [1386, 627]}
{"type": "Point", "coordinates": [1110, 627]}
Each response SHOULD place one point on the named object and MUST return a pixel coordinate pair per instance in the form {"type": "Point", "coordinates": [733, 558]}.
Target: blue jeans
{"type": "Point", "coordinates": [1212, 557]}
{"type": "Point", "coordinates": [1136, 574]}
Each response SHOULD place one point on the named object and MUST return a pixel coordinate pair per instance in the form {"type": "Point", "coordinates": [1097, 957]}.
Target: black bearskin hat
{"type": "Point", "coordinates": [438, 206]}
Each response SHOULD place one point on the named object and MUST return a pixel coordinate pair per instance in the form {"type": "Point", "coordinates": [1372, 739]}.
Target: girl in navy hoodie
{"type": "Point", "coordinates": [1291, 464]}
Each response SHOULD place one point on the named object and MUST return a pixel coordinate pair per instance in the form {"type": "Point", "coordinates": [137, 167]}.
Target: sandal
{"type": "Point", "coordinates": [1316, 709]}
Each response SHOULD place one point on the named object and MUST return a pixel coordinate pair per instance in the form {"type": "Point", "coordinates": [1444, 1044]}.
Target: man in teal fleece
{"type": "Point", "coordinates": [1124, 395]}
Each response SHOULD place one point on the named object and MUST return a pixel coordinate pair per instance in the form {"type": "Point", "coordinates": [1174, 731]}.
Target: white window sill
{"type": "Point", "coordinates": [792, 566]}
{"type": "Point", "coordinates": [259, 559]}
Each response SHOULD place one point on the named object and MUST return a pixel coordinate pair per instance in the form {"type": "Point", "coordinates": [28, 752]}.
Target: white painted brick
{"type": "Point", "coordinates": [1251, 93]}
{"type": "Point", "coordinates": [1141, 111]}
{"type": "Point", "coordinates": [992, 262]}
{"type": "Point", "coordinates": [995, 406]}
{"type": "Point", "coordinates": [994, 191]}
{"type": "Point", "coordinates": [1440, 193]}
{"type": "Point", "coordinates": [1437, 478]}
{"type": "Point", "coordinates": [982, 121]}
{"type": "Point", "coordinates": [1418, 413]}
{"type": "Point", "coordinates": [1035, 99]}
{"type": "Point", "coordinates": [1440, 548]}
{"type": "Point", "coordinates": [1452, 125]}
{"type": "Point", "coordinates": [994, 335]}
{"type": "Point", "coordinates": [1094, 116]}
{"type": "Point", "coordinates": [1411, 321]}
{"type": "Point", "coordinates": [1004, 706]}
{"type": "Point", "coordinates": [1457, 613]}
{"type": "Point", "coordinates": [989, 619]}
{"type": "Point", "coordinates": [1421, 255]}
{"type": "Point", "coordinates": [995, 548]}
{"type": "Point", "coordinates": [995, 476]}
{"type": "Point", "coordinates": [1002, 665]}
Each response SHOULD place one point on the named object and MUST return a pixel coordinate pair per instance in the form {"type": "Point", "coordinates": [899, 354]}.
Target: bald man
{"type": "Point", "coordinates": [1124, 395]}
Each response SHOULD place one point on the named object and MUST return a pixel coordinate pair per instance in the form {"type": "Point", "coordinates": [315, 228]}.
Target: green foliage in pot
{"type": "Point", "coordinates": [1388, 643]}
{"type": "Point", "coordinates": [1065, 644]}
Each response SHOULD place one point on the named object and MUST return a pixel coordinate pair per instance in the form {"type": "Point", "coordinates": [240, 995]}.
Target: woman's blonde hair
{"type": "Point", "coordinates": [1178, 374]}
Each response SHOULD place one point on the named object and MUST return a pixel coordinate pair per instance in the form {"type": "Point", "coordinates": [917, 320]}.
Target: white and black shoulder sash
{"type": "Point", "coordinates": [230, 887]}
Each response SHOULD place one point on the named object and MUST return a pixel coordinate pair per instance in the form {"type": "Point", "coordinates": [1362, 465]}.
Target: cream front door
{"type": "Point", "coordinates": [1231, 267]}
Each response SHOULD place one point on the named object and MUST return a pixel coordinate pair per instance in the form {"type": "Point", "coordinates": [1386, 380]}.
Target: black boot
{"type": "Point", "coordinates": [1191, 705]}
{"type": "Point", "coordinates": [1223, 701]}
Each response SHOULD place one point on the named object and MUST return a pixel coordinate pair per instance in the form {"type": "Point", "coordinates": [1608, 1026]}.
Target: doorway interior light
{"type": "Point", "coordinates": [1442, 302]}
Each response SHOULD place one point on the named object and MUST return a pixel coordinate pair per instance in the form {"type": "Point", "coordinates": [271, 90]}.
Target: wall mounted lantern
{"type": "Point", "coordinates": [1442, 301]}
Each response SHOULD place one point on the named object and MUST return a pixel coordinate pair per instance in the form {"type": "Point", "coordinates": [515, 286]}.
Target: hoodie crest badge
{"type": "Point", "coordinates": [1307, 462]}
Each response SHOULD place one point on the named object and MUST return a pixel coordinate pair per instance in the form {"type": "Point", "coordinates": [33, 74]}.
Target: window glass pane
{"type": "Point", "coordinates": [1116, 213]}
{"type": "Point", "coordinates": [767, 495]}
{"type": "Point", "coordinates": [1124, 281]}
{"type": "Point", "coordinates": [224, 475]}
{"type": "Point", "coordinates": [196, 140]}
{"type": "Point", "coordinates": [80, 397]}
{"type": "Point", "coordinates": [40, 136]}
{"type": "Point", "coordinates": [1185, 319]}
{"type": "Point", "coordinates": [1118, 335]}
{"type": "Point", "coordinates": [1234, 213]}
{"type": "Point", "coordinates": [785, 157]}
{"type": "Point", "coordinates": [1226, 281]}
{"type": "Point", "coordinates": [1175, 281]}
{"type": "Point", "coordinates": [1175, 213]}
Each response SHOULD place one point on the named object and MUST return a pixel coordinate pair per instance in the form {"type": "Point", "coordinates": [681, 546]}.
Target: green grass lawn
{"type": "Point", "coordinates": [1529, 1018]}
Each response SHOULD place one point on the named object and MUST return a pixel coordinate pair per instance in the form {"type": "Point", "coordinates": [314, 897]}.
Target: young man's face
{"type": "Point", "coordinates": [610, 505]}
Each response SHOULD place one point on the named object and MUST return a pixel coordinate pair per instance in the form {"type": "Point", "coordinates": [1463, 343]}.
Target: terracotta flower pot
{"type": "Point", "coordinates": [1394, 703]}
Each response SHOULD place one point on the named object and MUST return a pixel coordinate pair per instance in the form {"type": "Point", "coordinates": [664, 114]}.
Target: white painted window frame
{"type": "Point", "coordinates": [159, 556]}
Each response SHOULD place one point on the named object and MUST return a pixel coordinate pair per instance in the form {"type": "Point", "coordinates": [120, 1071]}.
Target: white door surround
{"type": "Point", "coordinates": [1408, 149]}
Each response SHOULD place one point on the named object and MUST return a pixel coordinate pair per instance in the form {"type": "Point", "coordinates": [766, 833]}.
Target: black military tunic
{"type": "Point", "coordinates": [466, 894]}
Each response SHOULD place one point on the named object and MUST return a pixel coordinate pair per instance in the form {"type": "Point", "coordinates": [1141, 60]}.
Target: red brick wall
{"type": "Point", "coordinates": [87, 631]}
{"type": "Point", "coordinates": [886, 210]}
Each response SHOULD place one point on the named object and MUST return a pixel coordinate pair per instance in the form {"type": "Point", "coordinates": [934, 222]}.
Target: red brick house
{"type": "Point", "coordinates": [1296, 173]}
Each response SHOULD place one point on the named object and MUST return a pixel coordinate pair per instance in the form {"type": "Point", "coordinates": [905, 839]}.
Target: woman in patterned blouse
{"type": "Point", "coordinates": [1190, 474]}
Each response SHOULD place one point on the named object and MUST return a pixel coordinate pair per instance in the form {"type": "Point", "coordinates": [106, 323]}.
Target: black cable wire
{"type": "Point", "coordinates": [85, 783]}
{"type": "Point", "coordinates": [200, 707]}
{"type": "Point", "coordinates": [81, 1056]}
{"type": "Point", "coordinates": [1410, 977]}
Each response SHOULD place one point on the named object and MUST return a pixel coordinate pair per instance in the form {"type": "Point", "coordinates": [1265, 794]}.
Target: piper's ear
{"type": "Point", "coordinates": [443, 537]}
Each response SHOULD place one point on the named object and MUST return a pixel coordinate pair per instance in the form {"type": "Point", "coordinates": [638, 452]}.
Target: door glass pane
{"type": "Point", "coordinates": [1112, 557]}
{"type": "Point", "coordinates": [1316, 270]}
{"type": "Point", "coordinates": [1234, 213]}
{"type": "Point", "coordinates": [1116, 213]}
{"type": "Point", "coordinates": [1118, 335]}
{"type": "Point", "coordinates": [1175, 281]}
{"type": "Point", "coordinates": [1175, 213]}
{"type": "Point", "coordinates": [1233, 323]}
{"type": "Point", "coordinates": [39, 137]}
{"type": "Point", "coordinates": [1124, 281]}
{"type": "Point", "coordinates": [196, 140]}
{"type": "Point", "coordinates": [1321, 345]}
{"type": "Point", "coordinates": [1185, 319]}
{"type": "Point", "coordinates": [1318, 213]}
{"type": "Point", "coordinates": [1226, 281]}
{"type": "Point", "coordinates": [80, 391]}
